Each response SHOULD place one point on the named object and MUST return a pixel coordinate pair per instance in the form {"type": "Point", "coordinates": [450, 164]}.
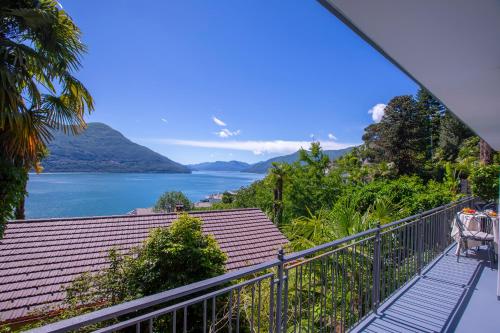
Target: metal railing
{"type": "Point", "coordinates": [328, 288]}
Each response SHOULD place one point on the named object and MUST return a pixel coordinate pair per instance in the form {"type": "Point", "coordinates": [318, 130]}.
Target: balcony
{"type": "Point", "coordinates": [399, 277]}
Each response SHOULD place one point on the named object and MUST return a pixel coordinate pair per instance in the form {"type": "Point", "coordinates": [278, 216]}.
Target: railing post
{"type": "Point", "coordinates": [279, 292]}
{"type": "Point", "coordinates": [420, 233]}
{"type": "Point", "coordinates": [376, 270]}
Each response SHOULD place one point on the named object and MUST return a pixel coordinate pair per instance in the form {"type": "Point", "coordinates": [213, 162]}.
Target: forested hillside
{"type": "Point", "coordinates": [102, 149]}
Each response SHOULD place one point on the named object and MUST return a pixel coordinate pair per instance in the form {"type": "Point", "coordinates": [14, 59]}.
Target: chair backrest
{"type": "Point", "coordinates": [491, 205]}
{"type": "Point", "coordinates": [483, 223]}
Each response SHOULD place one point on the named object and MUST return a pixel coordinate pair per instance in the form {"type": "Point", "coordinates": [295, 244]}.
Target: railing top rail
{"type": "Point", "coordinates": [300, 254]}
{"type": "Point", "coordinates": [148, 301]}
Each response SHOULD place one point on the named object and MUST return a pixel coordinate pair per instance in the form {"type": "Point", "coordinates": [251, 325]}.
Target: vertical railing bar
{"type": "Point", "coordinates": [376, 270]}
{"type": "Point", "coordinates": [279, 291]}
{"type": "Point", "coordinates": [204, 316]}
{"type": "Point", "coordinates": [285, 300]}
{"type": "Point", "coordinates": [300, 299]}
{"type": "Point", "coordinates": [334, 289]}
{"type": "Point", "coordinates": [238, 299]}
{"type": "Point", "coordinates": [252, 308]}
{"type": "Point", "coordinates": [296, 299]}
{"type": "Point", "coordinates": [382, 268]}
{"type": "Point", "coordinates": [138, 327]}
{"type": "Point", "coordinates": [174, 321]}
{"type": "Point", "coordinates": [259, 306]}
{"type": "Point", "coordinates": [343, 314]}
{"type": "Point", "coordinates": [230, 312]}
{"type": "Point", "coordinates": [308, 298]}
{"type": "Point", "coordinates": [321, 261]}
{"type": "Point", "coordinates": [360, 279]}
{"type": "Point", "coordinates": [351, 305]}
{"type": "Point", "coordinates": [324, 315]}
{"type": "Point", "coordinates": [214, 319]}
{"type": "Point", "coordinates": [271, 304]}
{"type": "Point", "coordinates": [368, 274]}
{"type": "Point", "coordinates": [150, 325]}
{"type": "Point", "coordinates": [332, 279]}
{"type": "Point", "coordinates": [185, 320]}
{"type": "Point", "coordinates": [314, 276]}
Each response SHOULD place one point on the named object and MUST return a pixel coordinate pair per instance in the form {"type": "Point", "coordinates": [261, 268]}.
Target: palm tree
{"type": "Point", "coordinates": [40, 49]}
{"type": "Point", "coordinates": [278, 172]}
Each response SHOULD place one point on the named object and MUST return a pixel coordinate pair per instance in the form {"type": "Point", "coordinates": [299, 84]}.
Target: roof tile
{"type": "Point", "coordinates": [38, 258]}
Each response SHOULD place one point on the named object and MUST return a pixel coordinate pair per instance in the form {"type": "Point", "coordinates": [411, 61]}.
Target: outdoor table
{"type": "Point", "coordinates": [473, 223]}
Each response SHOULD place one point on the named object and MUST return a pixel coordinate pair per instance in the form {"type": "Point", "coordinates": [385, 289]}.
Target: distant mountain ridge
{"type": "Point", "coordinates": [264, 166]}
{"type": "Point", "coordinates": [101, 148]}
{"type": "Point", "coordinates": [259, 167]}
{"type": "Point", "coordinates": [219, 166]}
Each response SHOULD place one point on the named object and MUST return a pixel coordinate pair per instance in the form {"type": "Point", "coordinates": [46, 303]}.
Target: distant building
{"type": "Point", "coordinates": [203, 204]}
{"type": "Point", "coordinates": [143, 211]}
{"type": "Point", "coordinates": [38, 258]}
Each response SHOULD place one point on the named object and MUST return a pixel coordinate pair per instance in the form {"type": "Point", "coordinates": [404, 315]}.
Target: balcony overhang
{"type": "Point", "coordinates": [450, 47]}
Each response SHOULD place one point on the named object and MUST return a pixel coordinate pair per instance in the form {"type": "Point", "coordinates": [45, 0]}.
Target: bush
{"type": "Point", "coordinates": [484, 182]}
{"type": "Point", "coordinates": [168, 201]}
{"type": "Point", "coordinates": [168, 258]}
{"type": "Point", "coordinates": [12, 189]}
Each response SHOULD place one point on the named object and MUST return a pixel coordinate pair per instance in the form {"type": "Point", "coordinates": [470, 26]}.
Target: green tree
{"type": "Point", "coordinates": [227, 198]}
{"type": "Point", "coordinates": [169, 200]}
{"type": "Point", "coordinates": [310, 184]}
{"type": "Point", "coordinates": [41, 49]}
{"type": "Point", "coordinates": [278, 173]}
{"type": "Point", "coordinates": [170, 257]}
{"type": "Point", "coordinates": [484, 181]}
{"type": "Point", "coordinates": [401, 135]}
{"type": "Point", "coordinates": [452, 133]}
{"type": "Point", "coordinates": [433, 111]}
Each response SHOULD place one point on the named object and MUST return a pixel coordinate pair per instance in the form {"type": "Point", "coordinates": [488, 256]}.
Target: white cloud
{"type": "Point", "coordinates": [331, 136]}
{"type": "Point", "coordinates": [218, 121]}
{"type": "Point", "coordinates": [225, 133]}
{"type": "Point", "coordinates": [377, 112]}
{"type": "Point", "coordinates": [256, 147]}
{"type": "Point", "coordinates": [164, 120]}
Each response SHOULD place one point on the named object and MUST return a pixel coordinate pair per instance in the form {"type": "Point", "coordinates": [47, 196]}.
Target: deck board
{"type": "Point", "coordinates": [438, 300]}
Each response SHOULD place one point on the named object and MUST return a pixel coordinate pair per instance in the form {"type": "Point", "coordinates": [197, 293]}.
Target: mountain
{"type": "Point", "coordinates": [102, 149]}
{"type": "Point", "coordinates": [219, 166]}
{"type": "Point", "coordinates": [262, 167]}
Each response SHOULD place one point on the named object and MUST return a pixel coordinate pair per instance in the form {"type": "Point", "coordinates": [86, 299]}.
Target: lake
{"type": "Point", "coordinates": [91, 194]}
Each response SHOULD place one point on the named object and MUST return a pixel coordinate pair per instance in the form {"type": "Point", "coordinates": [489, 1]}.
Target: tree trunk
{"type": "Point", "coordinates": [278, 201]}
{"type": "Point", "coordinates": [485, 152]}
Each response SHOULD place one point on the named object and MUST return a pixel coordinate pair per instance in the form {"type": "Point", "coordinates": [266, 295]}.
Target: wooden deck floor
{"type": "Point", "coordinates": [438, 301]}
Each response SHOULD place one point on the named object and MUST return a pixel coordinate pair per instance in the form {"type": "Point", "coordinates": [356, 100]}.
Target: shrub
{"type": "Point", "coordinates": [168, 201]}
{"type": "Point", "coordinates": [168, 258]}
{"type": "Point", "coordinates": [12, 189]}
{"type": "Point", "coordinates": [484, 182]}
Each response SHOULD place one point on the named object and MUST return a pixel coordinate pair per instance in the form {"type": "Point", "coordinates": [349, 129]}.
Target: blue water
{"type": "Point", "coordinates": [91, 194]}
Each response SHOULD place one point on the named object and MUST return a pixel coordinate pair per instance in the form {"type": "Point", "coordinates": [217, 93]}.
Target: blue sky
{"type": "Point", "coordinates": [230, 80]}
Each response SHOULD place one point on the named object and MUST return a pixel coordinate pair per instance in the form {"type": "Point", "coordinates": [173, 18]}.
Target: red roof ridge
{"type": "Point", "coordinates": [83, 218]}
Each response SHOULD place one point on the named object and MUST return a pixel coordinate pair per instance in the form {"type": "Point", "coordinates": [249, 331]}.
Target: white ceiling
{"type": "Point", "coordinates": [451, 47]}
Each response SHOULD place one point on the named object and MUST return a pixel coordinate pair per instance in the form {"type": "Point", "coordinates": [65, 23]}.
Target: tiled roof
{"type": "Point", "coordinates": [38, 258]}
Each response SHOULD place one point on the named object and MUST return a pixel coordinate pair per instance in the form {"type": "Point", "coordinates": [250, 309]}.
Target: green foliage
{"type": "Point", "coordinates": [168, 258]}
{"type": "Point", "coordinates": [12, 189]}
{"type": "Point", "coordinates": [168, 201]}
{"type": "Point", "coordinates": [87, 153]}
{"type": "Point", "coordinates": [484, 181]}
{"type": "Point", "coordinates": [400, 137]}
{"type": "Point", "coordinates": [41, 49]}
{"type": "Point", "coordinates": [227, 198]}
{"type": "Point", "coordinates": [452, 133]}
